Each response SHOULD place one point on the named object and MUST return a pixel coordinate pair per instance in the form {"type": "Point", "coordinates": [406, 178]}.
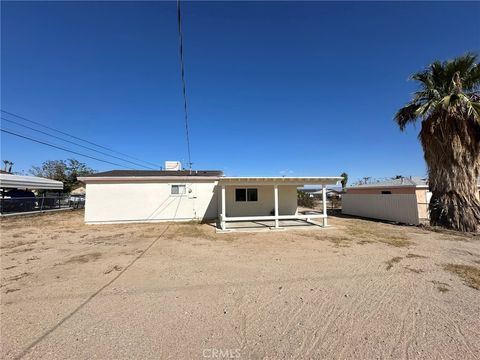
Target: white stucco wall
{"type": "Point", "coordinates": [287, 201]}
{"type": "Point", "coordinates": [149, 201]}
{"type": "Point", "coordinates": [393, 207]}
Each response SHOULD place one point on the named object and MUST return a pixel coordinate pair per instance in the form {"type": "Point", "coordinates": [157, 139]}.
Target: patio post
{"type": "Point", "coordinates": [275, 193]}
{"type": "Point", "coordinates": [222, 215]}
{"type": "Point", "coordinates": [324, 204]}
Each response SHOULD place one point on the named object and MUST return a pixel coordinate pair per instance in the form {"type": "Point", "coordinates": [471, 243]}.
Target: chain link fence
{"type": "Point", "coordinates": [40, 203]}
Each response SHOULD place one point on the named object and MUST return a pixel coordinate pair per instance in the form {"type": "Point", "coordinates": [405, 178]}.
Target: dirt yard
{"type": "Point", "coordinates": [361, 289]}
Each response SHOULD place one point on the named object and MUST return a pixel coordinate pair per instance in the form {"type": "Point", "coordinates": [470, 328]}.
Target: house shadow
{"type": "Point", "coordinates": [211, 213]}
{"type": "Point", "coordinates": [337, 213]}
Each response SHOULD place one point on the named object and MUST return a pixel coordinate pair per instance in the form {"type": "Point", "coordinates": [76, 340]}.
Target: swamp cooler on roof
{"type": "Point", "coordinates": [173, 165]}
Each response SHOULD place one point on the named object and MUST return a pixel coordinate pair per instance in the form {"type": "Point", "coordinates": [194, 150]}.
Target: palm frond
{"type": "Point", "coordinates": [474, 110]}
{"type": "Point", "coordinates": [440, 87]}
{"type": "Point", "coordinates": [406, 115]}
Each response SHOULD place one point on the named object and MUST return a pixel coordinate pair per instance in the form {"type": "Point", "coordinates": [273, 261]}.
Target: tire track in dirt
{"type": "Point", "coordinates": [240, 330]}
{"type": "Point", "coordinates": [408, 321]}
{"type": "Point", "coordinates": [458, 330]}
{"type": "Point", "coordinates": [347, 313]}
{"type": "Point", "coordinates": [362, 297]}
{"type": "Point", "coordinates": [433, 294]}
{"type": "Point", "coordinates": [359, 312]}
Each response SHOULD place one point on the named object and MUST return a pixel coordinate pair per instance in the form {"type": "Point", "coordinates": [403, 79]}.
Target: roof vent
{"type": "Point", "coordinates": [173, 165]}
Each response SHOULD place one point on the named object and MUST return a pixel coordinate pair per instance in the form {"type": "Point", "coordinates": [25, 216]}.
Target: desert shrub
{"type": "Point", "coordinates": [304, 199]}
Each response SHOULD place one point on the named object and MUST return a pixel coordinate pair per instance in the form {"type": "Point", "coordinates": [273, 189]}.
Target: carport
{"type": "Point", "coordinates": [17, 196]}
{"type": "Point", "coordinates": [267, 200]}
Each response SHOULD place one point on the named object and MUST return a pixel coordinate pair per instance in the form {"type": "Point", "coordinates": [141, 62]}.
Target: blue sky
{"type": "Point", "coordinates": [274, 88]}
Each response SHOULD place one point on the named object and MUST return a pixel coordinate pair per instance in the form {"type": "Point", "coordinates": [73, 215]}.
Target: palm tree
{"type": "Point", "coordinates": [448, 105]}
{"type": "Point", "coordinates": [344, 181]}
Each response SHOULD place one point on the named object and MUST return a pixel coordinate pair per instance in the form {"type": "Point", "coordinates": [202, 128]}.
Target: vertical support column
{"type": "Point", "coordinates": [222, 215]}
{"type": "Point", "coordinates": [324, 204]}
{"type": "Point", "coordinates": [275, 193]}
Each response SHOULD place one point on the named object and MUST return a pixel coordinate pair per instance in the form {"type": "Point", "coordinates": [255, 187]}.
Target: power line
{"type": "Point", "coordinates": [182, 68]}
{"type": "Point", "coordinates": [61, 148]}
{"type": "Point", "coordinates": [77, 138]}
{"type": "Point", "coordinates": [74, 143]}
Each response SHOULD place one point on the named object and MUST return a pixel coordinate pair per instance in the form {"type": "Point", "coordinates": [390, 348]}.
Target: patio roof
{"type": "Point", "coordinates": [324, 180]}
{"type": "Point", "coordinates": [10, 181]}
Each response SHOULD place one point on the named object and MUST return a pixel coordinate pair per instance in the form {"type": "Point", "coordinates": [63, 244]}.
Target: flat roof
{"type": "Point", "coordinates": [318, 180]}
{"type": "Point", "coordinates": [155, 173]}
{"type": "Point", "coordinates": [10, 181]}
{"type": "Point", "coordinates": [413, 181]}
{"type": "Point", "coordinates": [201, 175]}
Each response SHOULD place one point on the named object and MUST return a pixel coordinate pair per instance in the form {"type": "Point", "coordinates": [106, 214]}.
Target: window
{"type": "Point", "coordinates": [246, 195]}
{"type": "Point", "coordinates": [252, 195]}
{"type": "Point", "coordinates": [178, 190]}
{"type": "Point", "coordinates": [386, 192]}
{"type": "Point", "coordinates": [240, 194]}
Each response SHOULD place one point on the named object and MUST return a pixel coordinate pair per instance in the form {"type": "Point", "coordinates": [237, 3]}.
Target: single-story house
{"type": "Point", "coordinates": [315, 192]}
{"type": "Point", "coordinates": [404, 200]}
{"type": "Point", "coordinates": [120, 196]}
{"type": "Point", "coordinates": [331, 193]}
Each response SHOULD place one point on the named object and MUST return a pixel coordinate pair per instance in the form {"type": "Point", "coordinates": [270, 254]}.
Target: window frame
{"type": "Point", "coordinates": [178, 186]}
{"type": "Point", "coordinates": [246, 195]}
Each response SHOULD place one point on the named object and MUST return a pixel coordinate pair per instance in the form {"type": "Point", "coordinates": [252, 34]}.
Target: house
{"type": "Point", "coordinates": [331, 193]}
{"type": "Point", "coordinates": [317, 193]}
{"type": "Point", "coordinates": [402, 200]}
{"type": "Point", "coordinates": [121, 196]}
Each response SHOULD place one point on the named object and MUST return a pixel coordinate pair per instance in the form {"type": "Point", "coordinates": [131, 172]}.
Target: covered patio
{"type": "Point", "coordinates": [268, 202]}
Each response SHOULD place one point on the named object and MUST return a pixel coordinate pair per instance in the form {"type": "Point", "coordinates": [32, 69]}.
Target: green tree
{"type": "Point", "coordinates": [447, 103]}
{"type": "Point", "coordinates": [344, 181]}
{"type": "Point", "coordinates": [65, 171]}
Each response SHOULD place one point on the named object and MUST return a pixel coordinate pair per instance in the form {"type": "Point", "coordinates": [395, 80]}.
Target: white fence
{"type": "Point", "coordinates": [393, 207]}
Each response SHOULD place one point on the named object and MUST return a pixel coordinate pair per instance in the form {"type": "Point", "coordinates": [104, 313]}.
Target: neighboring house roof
{"type": "Point", "coordinates": [78, 191]}
{"type": "Point", "coordinates": [10, 181]}
{"type": "Point", "coordinates": [309, 190]}
{"type": "Point", "coordinates": [143, 173]}
{"type": "Point", "coordinates": [328, 191]}
{"type": "Point", "coordinates": [415, 181]}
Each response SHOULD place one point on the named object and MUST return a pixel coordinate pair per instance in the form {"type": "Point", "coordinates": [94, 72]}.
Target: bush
{"type": "Point", "coordinates": [304, 199]}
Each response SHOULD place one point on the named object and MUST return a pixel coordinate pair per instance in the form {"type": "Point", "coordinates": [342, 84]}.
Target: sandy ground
{"type": "Point", "coordinates": [359, 290]}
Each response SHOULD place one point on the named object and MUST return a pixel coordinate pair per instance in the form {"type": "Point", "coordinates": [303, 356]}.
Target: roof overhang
{"type": "Point", "coordinates": [143, 179]}
{"type": "Point", "coordinates": [10, 181]}
{"type": "Point", "coordinates": [298, 181]}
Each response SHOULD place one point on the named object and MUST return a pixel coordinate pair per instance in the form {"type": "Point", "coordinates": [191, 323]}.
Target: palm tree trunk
{"type": "Point", "coordinates": [451, 144]}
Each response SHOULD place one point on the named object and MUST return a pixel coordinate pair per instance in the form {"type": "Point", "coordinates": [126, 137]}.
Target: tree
{"type": "Point", "coordinates": [61, 170]}
{"type": "Point", "coordinates": [367, 180]}
{"type": "Point", "coordinates": [447, 103]}
{"type": "Point", "coordinates": [305, 199]}
{"type": "Point", "coordinates": [344, 181]}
